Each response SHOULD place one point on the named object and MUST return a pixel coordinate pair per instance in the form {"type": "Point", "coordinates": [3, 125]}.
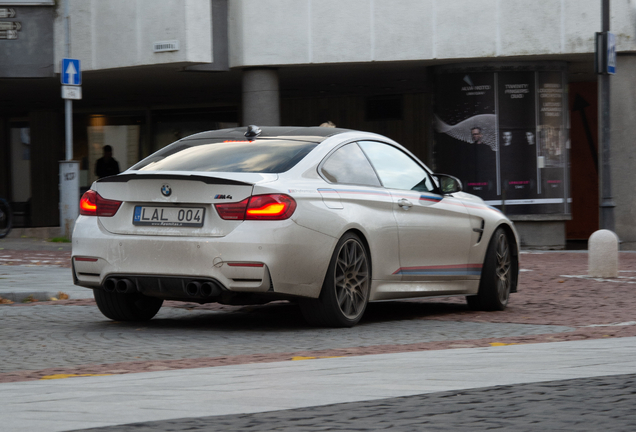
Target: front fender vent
{"type": "Point", "coordinates": [480, 231]}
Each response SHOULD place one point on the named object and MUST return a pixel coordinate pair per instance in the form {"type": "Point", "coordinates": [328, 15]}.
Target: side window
{"type": "Point", "coordinates": [349, 165]}
{"type": "Point", "coordinates": [396, 169]}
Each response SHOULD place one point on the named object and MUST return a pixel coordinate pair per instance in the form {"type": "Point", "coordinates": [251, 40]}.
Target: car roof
{"type": "Point", "coordinates": [298, 133]}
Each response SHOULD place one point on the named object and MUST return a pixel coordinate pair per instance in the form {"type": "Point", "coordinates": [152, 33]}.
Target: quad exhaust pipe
{"type": "Point", "coordinates": [193, 288]}
{"type": "Point", "coordinates": [110, 284]}
{"type": "Point", "coordinates": [202, 289]}
{"type": "Point", "coordinates": [122, 286]}
{"type": "Point", "coordinates": [125, 286]}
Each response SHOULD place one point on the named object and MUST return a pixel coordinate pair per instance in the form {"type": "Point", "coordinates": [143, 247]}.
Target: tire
{"type": "Point", "coordinates": [127, 307]}
{"type": "Point", "coordinates": [497, 277]}
{"type": "Point", "coordinates": [6, 218]}
{"type": "Point", "coordinates": [345, 291]}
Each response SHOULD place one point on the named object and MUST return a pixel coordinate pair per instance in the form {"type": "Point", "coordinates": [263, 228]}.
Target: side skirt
{"type": "Point", "coordinates": [385, 290]}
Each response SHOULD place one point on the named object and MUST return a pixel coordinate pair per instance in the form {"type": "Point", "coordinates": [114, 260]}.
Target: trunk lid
{"type": "Point", "coordinates": [175, 204]}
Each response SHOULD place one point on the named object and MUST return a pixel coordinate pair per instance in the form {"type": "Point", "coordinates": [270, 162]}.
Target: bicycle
{"type": "Point", "coordinates": [6, 218]}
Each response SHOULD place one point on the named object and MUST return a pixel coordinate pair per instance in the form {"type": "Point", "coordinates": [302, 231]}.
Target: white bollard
{"type": "Point", "coordinates": [602, 258]}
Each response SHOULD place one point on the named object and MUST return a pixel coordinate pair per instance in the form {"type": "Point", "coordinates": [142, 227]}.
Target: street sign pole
{"type": "Point", "coordinates": [68, 103]}
{"type": "Point", "coordinates": [68, 112]}
{"type": "Point", "coordinates": [69, 169]}
{"type": "Point", "coordinates": [607, 201]}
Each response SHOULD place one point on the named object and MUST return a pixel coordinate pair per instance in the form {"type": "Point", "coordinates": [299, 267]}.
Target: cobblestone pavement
{"type": "Point", "coordinates": [43, 338]}
{"type": "Point", "coordinates": [558, 405]}
{"type": "Point", "coordinates": [77, 335]}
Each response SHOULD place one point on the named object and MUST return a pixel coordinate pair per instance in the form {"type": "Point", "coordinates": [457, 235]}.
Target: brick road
{"type": "Point", "coordinates": [78, 339]}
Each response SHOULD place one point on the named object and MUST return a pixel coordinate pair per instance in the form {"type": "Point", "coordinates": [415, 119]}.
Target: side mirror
{"type": "Point", "coordinates": [448, 184]}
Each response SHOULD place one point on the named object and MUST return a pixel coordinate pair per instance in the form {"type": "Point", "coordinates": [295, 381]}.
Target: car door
{"type": "Point", "coordinates": [434, 230]}
{"type": "Point", "coordinates": [356, 195]}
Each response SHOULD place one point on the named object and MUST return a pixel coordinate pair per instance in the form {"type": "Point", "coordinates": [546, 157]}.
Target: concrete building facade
{"type": "Point", "coordinates": [157, 70]}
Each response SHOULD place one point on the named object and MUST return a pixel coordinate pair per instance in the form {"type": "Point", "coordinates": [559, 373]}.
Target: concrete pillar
{"type": "Point", "coordinates": [603, 254]}
{"type": "Point", "coordinates": [261, 101]}
{"type": "Point", "coordinates": [623, 149]}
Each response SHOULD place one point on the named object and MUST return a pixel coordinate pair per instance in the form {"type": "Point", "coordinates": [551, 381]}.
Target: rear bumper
{"type": "Point", "coordinates": [294, 257]}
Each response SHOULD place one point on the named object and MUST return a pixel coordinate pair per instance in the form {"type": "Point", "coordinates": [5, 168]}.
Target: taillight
{"type": "Point", "coordinates": [270, 207]}
{"type": "Point", "coordinates": [92, 204]}
{"type": "Point", "coordinates": [232, 211]}
{"type": "Point", "coordinates": [259, 207]}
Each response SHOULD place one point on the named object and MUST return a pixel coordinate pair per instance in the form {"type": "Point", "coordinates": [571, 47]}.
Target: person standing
{"type": "Point", "coordinates": [106, 165]}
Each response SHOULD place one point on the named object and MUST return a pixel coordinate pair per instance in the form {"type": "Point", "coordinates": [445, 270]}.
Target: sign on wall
{"type": "Point", "coordinates": [504, 134]}
{"type": "Point", "coordinates": [26, 39]}
{"type": "Point", "coordinates": [27, 2]}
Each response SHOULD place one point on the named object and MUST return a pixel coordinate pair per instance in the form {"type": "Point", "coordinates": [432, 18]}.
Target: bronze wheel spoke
{"type": "Point", "coordinates": [352, 279]}
{"type": "Point", "coordinates": [502, 271]}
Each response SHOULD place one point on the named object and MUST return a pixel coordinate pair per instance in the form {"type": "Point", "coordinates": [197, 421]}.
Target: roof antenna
{"type": "Point", "coordinates": [253, 131]}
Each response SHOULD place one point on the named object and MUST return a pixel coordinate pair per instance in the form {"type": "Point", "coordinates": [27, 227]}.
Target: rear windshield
{"type": "Point", "coordinates": [262, 156]}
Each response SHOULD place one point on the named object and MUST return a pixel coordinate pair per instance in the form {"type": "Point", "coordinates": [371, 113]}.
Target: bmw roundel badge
{"type": "Point", "coordinates": [166, 191]}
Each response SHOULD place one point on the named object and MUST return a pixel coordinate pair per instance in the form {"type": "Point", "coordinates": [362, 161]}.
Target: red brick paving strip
{"type": "Point", "coordinates": [544, 298]}
{"type": "Point", "coordinates": [29, 257]}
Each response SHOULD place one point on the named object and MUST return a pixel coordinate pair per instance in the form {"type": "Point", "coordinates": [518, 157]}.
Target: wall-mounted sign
{"type": "Point", "coordinates": [504, 133]}
{"type": "Point", "coordinates": [9, 29]}
{"type": "Point", "coordinates": [165, 46]}
{"type": "Point", "coordinates": [605, 53]}
{"type": "Point", "coordinates": [10, 25]}
{"type": "Point", "coordinates": [27, 2]}
{"type": "Point", "coordinates": [7, 13]}
{"type": "Point", "coordinates": [611, 53]}
{"type": "Point", "coordinates": [8, 34]}
{"type": "Point", "coordinates": [28, 52]}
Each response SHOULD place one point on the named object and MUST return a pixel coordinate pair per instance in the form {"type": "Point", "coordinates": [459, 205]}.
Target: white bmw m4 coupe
{"type": "Point", "coordinates": [328, 218]}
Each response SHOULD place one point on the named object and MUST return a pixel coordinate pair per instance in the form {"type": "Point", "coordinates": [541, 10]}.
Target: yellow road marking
{"type": "Point", "coordinates": [62, 376]}
{"type": "Point", "coordinates": [502, 344]}
{"type": "Point", "coordinates": [313, 358]}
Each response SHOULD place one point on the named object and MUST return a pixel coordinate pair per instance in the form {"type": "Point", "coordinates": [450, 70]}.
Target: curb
{"type": "Point", "coordinates": [42, 296]}
{"type": "Point", "coordinates": [36, 295]}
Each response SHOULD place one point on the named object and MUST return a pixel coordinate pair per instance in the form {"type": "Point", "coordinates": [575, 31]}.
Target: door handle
{"type": "Point", "coordinates": [405, 204]}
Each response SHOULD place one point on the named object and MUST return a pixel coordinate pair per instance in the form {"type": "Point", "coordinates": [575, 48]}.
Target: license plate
{"type": "Point", "coordinates": [169, 216]}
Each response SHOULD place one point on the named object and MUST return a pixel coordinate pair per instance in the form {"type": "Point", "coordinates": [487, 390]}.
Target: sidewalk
{"type": "Point", "coordinates": [101, 401]}
{"type": "Point", "coordinates": [21, 283]}
{"type": "Point", "coordinates": [36, 269]}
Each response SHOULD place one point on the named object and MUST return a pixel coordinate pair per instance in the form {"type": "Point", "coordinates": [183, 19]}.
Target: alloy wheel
{"type": "Point", "coordinates": [352, 279]}
{"type": "Point", "coordinates": [503, 273]}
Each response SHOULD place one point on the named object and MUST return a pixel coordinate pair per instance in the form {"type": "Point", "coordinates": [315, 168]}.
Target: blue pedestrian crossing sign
{"type": "Point", "coordinates": [71, 72]}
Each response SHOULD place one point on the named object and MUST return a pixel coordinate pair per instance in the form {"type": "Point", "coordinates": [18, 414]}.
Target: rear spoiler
{"type": "Point", "coordinates": [125, 178]}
